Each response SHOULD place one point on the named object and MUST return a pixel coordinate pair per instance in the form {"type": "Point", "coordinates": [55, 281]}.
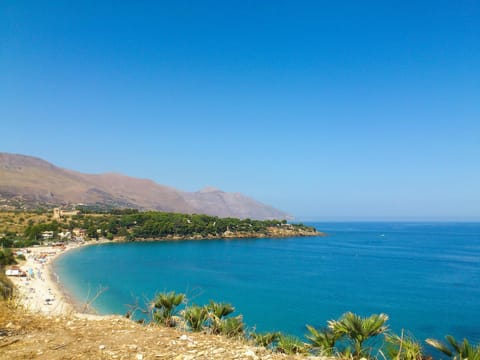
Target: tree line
{"type": "Point", "coordinates": [130, 224]}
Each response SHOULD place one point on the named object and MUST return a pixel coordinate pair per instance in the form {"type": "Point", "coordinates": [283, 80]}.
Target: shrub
{"type": "Point", "coordinates": [291, 345]}
{"type": "Point", "coordinates": [403, 347]}
{"type": "Point", "coordinates": [195, 317]}
{"type": "Point", "coordinates": [358, 330]}
{"type": "Point", "coordinates": [322, 341]}
{"type": "Point", "coordinates": [456, 350]}
{"type": "Point", "coordinates": [164, 307]}
{"type": "Point", "coordinates": [268, 340]}
{"type": "Point", "coordinates": [216, 314]}
{"type": "Point", "coordinates": [232, 327]}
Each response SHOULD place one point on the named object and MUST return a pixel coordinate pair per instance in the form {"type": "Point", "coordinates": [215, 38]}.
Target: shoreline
{"type": "Point", "coordinates": [41, 290]}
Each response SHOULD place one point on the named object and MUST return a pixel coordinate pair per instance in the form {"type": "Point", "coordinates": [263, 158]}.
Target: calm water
{"type": "Point", "coordinates": [425, 276]}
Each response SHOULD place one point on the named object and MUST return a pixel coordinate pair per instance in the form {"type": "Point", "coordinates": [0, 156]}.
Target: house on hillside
{"type": "Point", "coordinates": [67, 235]}
{"type": "Point", "coordinates": [46, 235]}
{"type": "Point", "coordinates": [79, 234]}
{"type": "Point", "coordinates": [58, 213]}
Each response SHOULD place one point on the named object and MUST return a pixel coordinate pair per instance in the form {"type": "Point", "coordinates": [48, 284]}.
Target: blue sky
{"type": "Point", "coordinates": [325, 109]}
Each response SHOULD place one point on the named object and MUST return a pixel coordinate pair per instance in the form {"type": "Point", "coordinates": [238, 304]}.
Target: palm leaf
{"type": "Point", "coordinates": [220, 310]}
{"type": "Point", "coordinates": [439, 346]}
{"type": "Point", "coordinates": [453, 343]}
{"type": "Point", "coordinates": [323, 340]}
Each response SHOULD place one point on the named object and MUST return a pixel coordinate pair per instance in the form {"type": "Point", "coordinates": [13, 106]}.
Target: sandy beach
{"type": "Point", "coordinates": [39, 291]}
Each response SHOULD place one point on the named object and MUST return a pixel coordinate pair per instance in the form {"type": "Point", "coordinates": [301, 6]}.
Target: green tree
{"type": "Point", "coordinates": [92, 232]}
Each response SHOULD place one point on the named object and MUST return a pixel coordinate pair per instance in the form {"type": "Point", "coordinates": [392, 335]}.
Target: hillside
{"type": "Point", "coordinates": [26, 336]}
{"type": "Point", "coordinates": [27, 182]}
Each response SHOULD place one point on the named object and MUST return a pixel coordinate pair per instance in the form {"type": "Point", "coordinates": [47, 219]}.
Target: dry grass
{"type": "Point", "coordinates": [29, 336]}
{"type": "Point", "coordinates": [17, 222]}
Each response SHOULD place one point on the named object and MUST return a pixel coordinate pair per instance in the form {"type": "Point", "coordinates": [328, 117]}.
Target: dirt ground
{"type": "Point", "coordinates": [29, 336]}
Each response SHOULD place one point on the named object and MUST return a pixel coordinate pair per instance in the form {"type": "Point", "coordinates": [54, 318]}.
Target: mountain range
{"type": "Point", "coordinates": [29, 182]}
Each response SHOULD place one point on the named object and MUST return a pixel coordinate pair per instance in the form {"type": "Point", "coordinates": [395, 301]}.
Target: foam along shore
{"type": "Point", "coordinates": [39, 290]}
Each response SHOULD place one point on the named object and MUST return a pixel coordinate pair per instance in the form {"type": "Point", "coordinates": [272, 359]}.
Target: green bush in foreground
{"type": "Point", "coordinates": [322, 341]}
{"type": "Point", "coordinates": [291, 345]}
{"type": "Point", "coordinates": [165, 305]}
{"type": "Point", "coordinates": [345, 338]}
{"type": "Point", "coordinates": [195, 317]}
{"type": "Point", "coordinates": [357, 330]}
{"type": "Point", "coordinates": [211, 318]}
{"type": "Point", "coordinates": [268, 340]}
{"type": "Point", "coordinates": [456, 350]}
{"type": "Point", "coordinates": [403, 347]}
{"type": "Point", "coordinates": [232, 327]}
{"type": "Point", "coordinates": [216, 314]}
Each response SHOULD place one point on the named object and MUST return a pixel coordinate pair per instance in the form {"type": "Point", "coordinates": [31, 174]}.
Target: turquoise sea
{"type": "Point", "coordinates": [425, 276]}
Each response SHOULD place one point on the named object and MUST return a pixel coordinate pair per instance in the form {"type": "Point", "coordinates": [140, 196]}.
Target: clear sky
{"type": "Point", "coordinates": [325, 109]}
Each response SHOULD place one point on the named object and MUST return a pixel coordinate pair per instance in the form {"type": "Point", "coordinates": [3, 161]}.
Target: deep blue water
{"type": "Point", "coordinates": [425, 276]}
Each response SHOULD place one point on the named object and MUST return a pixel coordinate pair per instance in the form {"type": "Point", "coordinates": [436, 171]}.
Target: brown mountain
{"type": "Point", "coordinates": [30, 181]}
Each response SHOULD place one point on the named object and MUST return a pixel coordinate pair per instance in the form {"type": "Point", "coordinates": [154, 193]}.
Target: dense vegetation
{"type": "Point", "coordinates": [152, 224]}
{"type": "Point", "coordinates": [350, 337]}
{"type": "Point", "coordinates": [130, 224]}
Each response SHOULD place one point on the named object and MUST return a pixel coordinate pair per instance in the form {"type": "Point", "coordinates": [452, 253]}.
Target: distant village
{"type": "Point", "coordinates": [76, 234]}
{"type": "Point", "coordinates": [40, 256]}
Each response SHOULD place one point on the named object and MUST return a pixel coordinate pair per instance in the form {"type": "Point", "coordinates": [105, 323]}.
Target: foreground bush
{"type": "Point", "coordinates": [349, 337]}
{"type": "Point", "coordinates": [322, 341]}
{"type": "Point", "coordinates": [456, 350]}
{"type": "Point", "coordinates": [212, 318]}
{"type": "Point", "coordinates": [268, 340]}
{"type": "Point", "coordinates": [403, 347]}
{"type": "Point", "coordinates": [165, 305]}
{"type": "Point", "coordinates": [195, 317]}
{"type": "Point", "coordinates": [291, 345]}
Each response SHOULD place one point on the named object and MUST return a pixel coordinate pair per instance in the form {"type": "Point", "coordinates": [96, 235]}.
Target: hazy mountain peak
{"type": "Point", "coordinates": [32, 181]}
{"type": "Point", "coordinates": [209, 189]}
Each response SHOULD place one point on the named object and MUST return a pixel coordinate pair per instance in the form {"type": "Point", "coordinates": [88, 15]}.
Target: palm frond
{"type": "Point", "coordinates": [457, 351]}
{"type": "Point", "coordinates": [322, 340]}
{"type": "Point", "coordinates": [439, 346]}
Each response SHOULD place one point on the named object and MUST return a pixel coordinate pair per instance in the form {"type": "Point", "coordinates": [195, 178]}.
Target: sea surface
{"type": "Point", "coordinates": [425, 276]}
